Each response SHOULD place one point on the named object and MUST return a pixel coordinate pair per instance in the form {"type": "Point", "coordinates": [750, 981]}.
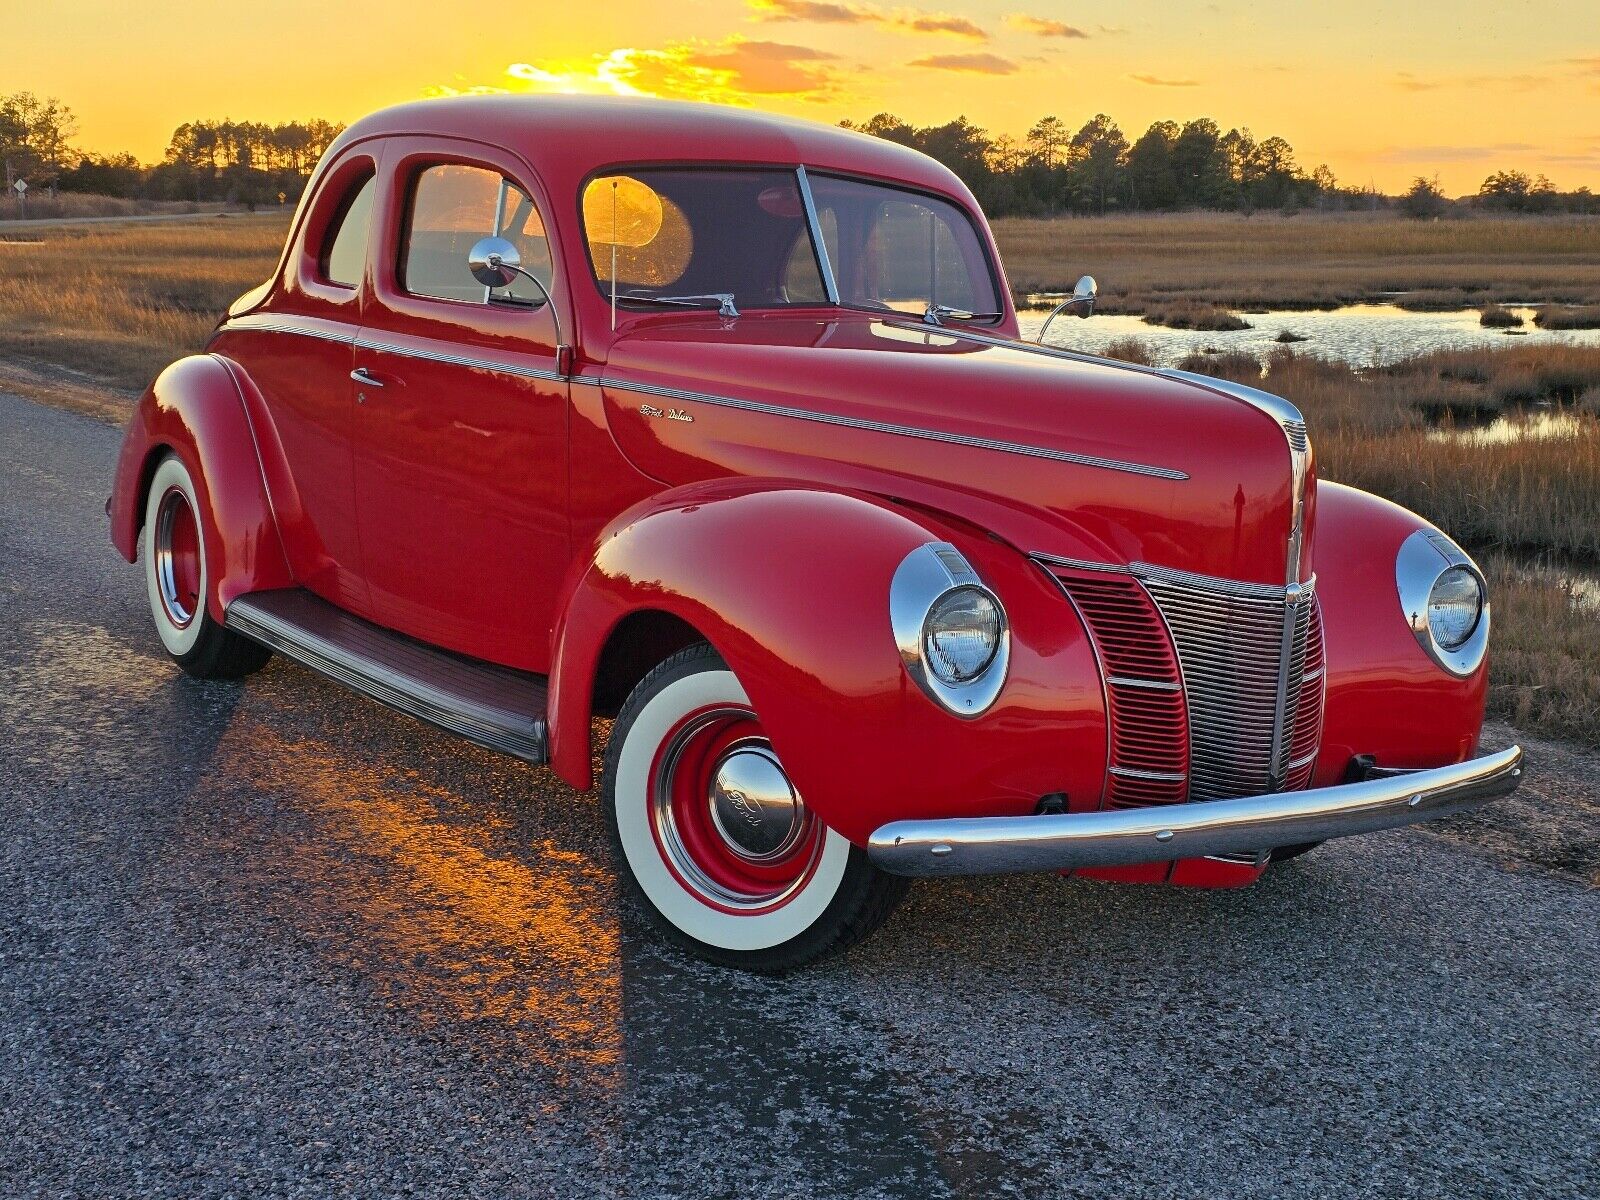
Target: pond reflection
{"type": "Point", "coordinates": [1503, 431]}
{"type": "Point", "coordinates": [1362, 335]}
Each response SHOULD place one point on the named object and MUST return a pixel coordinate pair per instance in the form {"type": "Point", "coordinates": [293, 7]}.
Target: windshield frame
{"type": "Point", "coordinates": [813, 227]}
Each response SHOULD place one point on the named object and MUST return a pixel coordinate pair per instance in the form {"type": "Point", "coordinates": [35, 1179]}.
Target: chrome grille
{"type": "Point", "coordinates": [1148, 754]}
{"type": "Point", "coordinates": [1251, 663]}
{"type": "Point", "coordinates": [1231, 645]}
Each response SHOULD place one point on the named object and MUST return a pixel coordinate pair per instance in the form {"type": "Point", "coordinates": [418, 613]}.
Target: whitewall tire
{"type": "Point", "coordinates": [716, 841]}
{"type": "Point", "coordinates": [178, 580]}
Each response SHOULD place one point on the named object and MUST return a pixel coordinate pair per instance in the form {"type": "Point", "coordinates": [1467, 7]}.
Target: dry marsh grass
{"type": "Point", "coordinates": [1585, 316]}
{"type": "Point", "coordinates": [1495, 316]}
{"type": "Point", "coordinates": [1306, 261]}
{"type": "Point", "coordinates": [1194, 314]}
{"type": "Point", "coordinates": [1545, 664]}
{"type": "Point", "coordinates": [148, 292]}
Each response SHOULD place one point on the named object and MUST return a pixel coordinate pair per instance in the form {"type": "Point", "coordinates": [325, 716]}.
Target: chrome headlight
{"type": "Point", "coordinates": [1445, 601]}
{"type": "Point", "coordinates": [950, 628]}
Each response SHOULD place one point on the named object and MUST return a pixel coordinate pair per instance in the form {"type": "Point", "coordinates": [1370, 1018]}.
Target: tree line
{"type": "Point", "coordinates": [241, 162]}
{"type": "Point", "coordinates": [1194, 165]}
{"type": "Point", "coordinates": [1051, 169]}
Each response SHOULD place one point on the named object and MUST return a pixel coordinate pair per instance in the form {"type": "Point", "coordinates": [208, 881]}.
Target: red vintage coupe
{"type": "Point", "coordinates": [721, 425]}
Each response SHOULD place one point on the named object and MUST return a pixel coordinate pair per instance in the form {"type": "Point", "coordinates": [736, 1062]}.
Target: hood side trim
{"type": "Point", "coordinates": [912, 431]}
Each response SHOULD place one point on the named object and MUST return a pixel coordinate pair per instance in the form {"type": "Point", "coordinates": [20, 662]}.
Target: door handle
{"type": "Point", "coordinates": [361, 376]}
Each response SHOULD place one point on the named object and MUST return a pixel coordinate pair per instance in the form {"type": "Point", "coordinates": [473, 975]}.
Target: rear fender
{"type": "Point", "coordinates": [791, 585]}
{"type": "Point", "coordinates": [194, 410]}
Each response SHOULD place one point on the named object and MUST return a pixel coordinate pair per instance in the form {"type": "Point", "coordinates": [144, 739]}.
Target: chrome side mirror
{"type": "Point", "coordinates": [495, 263]}
{"type": "Point", "coordinates": [1084, 294]}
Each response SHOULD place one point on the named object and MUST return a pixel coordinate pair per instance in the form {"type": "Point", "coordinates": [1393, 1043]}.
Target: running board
{"type": "Point", "coordinates": [491, 706]}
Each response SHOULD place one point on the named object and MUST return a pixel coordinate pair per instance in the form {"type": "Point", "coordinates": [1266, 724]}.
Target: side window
{"type": "Point", "coordinates": [451, 207]}
{"type": "Point", "coordinates": [344, 250]}
{"type": "Point", "coordinates": [913, 259]}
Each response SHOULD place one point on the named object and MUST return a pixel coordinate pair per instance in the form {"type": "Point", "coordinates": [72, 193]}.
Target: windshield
{"type": "Point", "coordinates": [692, 235]}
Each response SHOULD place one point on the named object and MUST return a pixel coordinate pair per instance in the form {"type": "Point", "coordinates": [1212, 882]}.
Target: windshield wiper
{"type": "Point", "coordinates": [937, 314]}
{"type": "Point", "coordinates": [723, 301]}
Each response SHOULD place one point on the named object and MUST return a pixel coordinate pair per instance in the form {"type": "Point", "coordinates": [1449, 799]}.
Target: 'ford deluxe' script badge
{"type": "Point", "coordinates": [670, 414]}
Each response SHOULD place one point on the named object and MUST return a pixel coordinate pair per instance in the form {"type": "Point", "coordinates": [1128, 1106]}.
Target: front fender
{"type": "Point", "coordinates": [194, 410]}
{"type": "Point", "coordinates": [791, 585]}
{"type": "Point", "coordinates": [1385, 696]}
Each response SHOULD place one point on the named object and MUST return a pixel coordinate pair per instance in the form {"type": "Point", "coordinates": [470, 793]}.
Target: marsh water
{"type": "Point", "coordinates": [1363, 335]}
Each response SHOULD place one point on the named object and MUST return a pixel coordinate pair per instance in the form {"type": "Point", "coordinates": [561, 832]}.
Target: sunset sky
{"type": "Point", "coordinates": [1379, 90]}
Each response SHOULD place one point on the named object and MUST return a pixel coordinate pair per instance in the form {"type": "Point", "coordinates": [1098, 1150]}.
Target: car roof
{"type": "Point", "coordinates": [571, 136]}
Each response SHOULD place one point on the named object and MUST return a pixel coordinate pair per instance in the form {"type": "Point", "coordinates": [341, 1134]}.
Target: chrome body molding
{"type": "Point", "coordinates": [922, 579]}
{"type": "Point", "coordinates": [298, 326]}
{"type": "Point", "coordinates": [1245, 825]}
{"type": "Point", "coordinates": [477, 363]}
{"type": "Point", "coordinates": [1423, 557]}
{"type": "Point", "coordinates": [912, 431]}
{"type": "Point", "coordinates": [304, 327]}
{"type": "Point", "coordinates": [494, 707]}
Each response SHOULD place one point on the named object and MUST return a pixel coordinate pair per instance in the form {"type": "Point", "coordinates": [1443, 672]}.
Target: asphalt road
{"type": "Point", "coordinates": [269, 938]}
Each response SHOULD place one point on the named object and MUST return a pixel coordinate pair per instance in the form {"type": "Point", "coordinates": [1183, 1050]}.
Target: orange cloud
{"type": "Point", "coordinates": [940, 23]}
{"type": "Point", "coordinates": [827, 12]}
{"type": "Point", "coordinates": [726, 72]}
{"type": "Point", "coordinates": [1044, 26]}
{"type": "Point", "coordinates": [1157, 81]}
{"type": "Point", "coordinates": [978, 64]}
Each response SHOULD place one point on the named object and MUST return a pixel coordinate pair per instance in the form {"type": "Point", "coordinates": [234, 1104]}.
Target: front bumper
{"type": "Point", "coordinates": [1063, 841]}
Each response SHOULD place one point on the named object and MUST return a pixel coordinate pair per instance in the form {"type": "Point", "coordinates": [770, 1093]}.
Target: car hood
{"type": "Point", "coordinates": [1138, 465]}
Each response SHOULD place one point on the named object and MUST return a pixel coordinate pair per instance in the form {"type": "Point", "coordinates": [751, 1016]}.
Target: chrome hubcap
{"type": "Point", "coordinates": [753, 805]}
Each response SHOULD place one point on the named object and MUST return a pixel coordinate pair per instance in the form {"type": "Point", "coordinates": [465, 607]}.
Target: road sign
{"type": "Point", "coordinates": [22, 187]}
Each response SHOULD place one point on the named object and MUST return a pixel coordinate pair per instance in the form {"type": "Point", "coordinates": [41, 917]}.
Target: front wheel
{"type": "Point", "coordinates": [177, 580]}
{"type": "Point", "coordinates": [714, 837]}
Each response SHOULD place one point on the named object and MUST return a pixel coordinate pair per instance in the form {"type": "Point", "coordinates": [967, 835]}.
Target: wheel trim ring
{"type": "Point", "coordinates": [176, 548]}
{"type": "Point", "coordinates": [686, 857]}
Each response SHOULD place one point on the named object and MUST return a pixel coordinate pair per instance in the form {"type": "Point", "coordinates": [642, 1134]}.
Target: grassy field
{"type": "Point", "coordinates": [1306, 261]}
{"type": "Point", "coordinates": [121, 301]}
{"type": "Point", "coordinates": [1529, 506]}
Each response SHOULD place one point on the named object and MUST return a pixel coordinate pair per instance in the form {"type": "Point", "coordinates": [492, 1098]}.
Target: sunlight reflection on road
{"type": "Point", "coordinates": [431, 900]}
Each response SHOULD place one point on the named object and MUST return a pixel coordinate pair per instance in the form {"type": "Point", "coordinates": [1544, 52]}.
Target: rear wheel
{"type": "Point", "coordinates": [177, 579]}
{"type": "Point", "coordinates": [716, 841]}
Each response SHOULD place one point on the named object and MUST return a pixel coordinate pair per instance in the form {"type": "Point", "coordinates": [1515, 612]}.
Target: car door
{"type": "Point", "coordinates": [461, 414]}
{"type": "Point", "coordinates": [297, 355]}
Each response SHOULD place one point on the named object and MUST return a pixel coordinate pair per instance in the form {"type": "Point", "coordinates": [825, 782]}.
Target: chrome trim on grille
{"type": "Point", "coordinates": [1158, 685]}
{"type": "Point", "coordinates": [1144, 570]}
{"type": "Point", "coordinates": [931, 435]}
{"type": "Point", "coordinates": [1135, 773]}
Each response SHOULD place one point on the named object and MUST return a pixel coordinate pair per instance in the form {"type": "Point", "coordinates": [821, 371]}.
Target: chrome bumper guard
{"type": "Point", "coordinates": [1061, 841]}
